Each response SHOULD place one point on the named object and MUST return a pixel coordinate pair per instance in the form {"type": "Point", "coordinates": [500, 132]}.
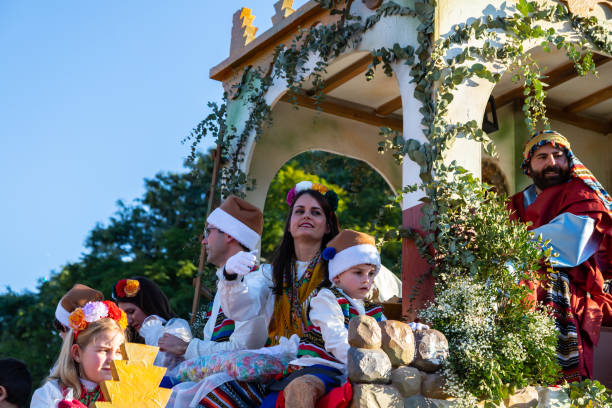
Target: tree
{"type": "Point", "coordinates": [157, 236]}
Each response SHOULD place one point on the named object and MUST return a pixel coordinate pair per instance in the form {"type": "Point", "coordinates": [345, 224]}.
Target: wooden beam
{"type": "Point", "coordinates": [554, 78]}
{"type": "Point", "coordinates": [347, 73]}
{"type": "Point", "coordinates": [389, 107]}
{"type": "Point", "coordinates": [591, 100]}
{"type": "Point", "coordinates": [346, 109]}
{"type": "Point", "coordinates": [571, 118]}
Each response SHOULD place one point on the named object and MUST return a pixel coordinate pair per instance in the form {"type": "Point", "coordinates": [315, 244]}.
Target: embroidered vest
{"type": "Point", "coordinates": [291, 317]}
{"type": "Point", "coordinates": [224, 327]}
{"type": "Point", "coordinates": [312, 343]}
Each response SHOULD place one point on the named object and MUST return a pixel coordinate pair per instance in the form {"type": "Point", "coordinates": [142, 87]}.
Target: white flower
{"type": "Point", "coordinates": [303, 185]}
{"type": "Point", "coordinates": [95, 311]}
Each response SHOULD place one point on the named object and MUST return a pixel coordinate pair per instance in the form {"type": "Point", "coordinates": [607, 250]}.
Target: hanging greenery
{"type": "Point", "coordinates": [462, 260]}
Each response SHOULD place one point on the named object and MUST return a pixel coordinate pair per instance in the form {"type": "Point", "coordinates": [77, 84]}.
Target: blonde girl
{"type": "Point", "coordinates": [97, 331]}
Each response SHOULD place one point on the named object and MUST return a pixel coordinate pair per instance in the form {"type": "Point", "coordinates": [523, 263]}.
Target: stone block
{"type": "Point", "coordinates": [430, 351]}
{"type": "Point", "coordinates": [523, 398]}
{"type": "Point", "coordinates": [368, 366]}
{"type": "Point", "coordinates": [376, 396]}
{"type": "Point", "coordinates": [433, 386]}
{"type": "Point", "coordinates": [397, 342]}
{"type": "Point", "coordinates": [364, 332]}
{"type": "Point", "coordinates": [407, 380]}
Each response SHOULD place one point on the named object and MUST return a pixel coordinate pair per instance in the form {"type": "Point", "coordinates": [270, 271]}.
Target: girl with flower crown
{"type": "Point", "coordinates": [97, 331]}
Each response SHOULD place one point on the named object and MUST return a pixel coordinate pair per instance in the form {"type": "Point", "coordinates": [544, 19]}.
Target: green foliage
{"type": "Point", "coordinates": [588, 394]}
{"type": "Point", "coordinates": [498, 342]}
{"type": "Point", "coordinates": [362, 192]}
{"type": "Point", "coordinates": [156, 236]}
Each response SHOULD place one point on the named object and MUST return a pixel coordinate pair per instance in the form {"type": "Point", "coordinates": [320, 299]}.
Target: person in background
{"type": "Point", "coordinates": [15, 383]}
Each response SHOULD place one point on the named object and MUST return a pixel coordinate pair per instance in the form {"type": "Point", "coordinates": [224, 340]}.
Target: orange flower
{"type": "Point", "coordinates": [123, 320]}
{"type": "Point", "coordinates": [77, 320]}
{"type": "Point", "coordinates": [320, 188]}
{"type": "Point", "coordinates": [131, 287]}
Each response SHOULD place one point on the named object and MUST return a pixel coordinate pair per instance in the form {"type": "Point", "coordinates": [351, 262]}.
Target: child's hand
{"type": "Point", "coordinates": [241, 263]}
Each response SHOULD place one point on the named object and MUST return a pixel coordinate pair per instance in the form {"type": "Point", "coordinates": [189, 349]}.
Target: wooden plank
{"type": "Point", "coordinates": [389, 107]}
{"type": "Point", "coordinates": [346, 74]}
{"type": "Point", "coordinates": [554, 78]}
{"type": "Point", "coordinates": [571, 118]}
{"type": "Point", "coordinates": [349, 110]}
{"type": "Point", "coordinates": [591, 100]}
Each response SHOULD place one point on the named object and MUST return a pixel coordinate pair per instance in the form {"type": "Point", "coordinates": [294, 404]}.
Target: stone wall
{"type": "Point", "coordinates": [392, 366]}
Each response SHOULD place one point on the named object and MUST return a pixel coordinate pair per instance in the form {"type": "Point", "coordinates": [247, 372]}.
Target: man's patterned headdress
{"type": "Point", "coordinates": [577, 169]}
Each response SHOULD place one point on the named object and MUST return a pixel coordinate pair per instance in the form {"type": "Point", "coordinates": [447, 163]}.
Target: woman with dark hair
{"type": "Point", "coordinates": [149, 314]}
{"type": "Point", "coordinates": [284, 288]}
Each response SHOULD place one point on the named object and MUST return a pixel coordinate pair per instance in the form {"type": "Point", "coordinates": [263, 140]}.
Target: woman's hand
{"type": "Point", "coordinates": [241, 263]}
{"type": "Point", "coordinates": [172, 344]}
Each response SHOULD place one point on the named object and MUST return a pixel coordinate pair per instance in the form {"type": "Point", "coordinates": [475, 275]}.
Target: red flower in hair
{"type": "Point", "coordinates": [120, 288]}
{"type": "Point", "coordinates": [113, 311]}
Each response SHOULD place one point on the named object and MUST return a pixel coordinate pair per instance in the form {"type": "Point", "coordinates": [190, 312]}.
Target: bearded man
{"type": "Point", "coordinates": [567, 205]}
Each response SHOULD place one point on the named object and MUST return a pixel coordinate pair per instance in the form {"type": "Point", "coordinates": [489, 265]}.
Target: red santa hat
{"type": "Point", "coordinates": [350, 248]}
{"type": "Point", "coordinates": [240, 220]}
{"type": "Point", "coordinates": [76, 297]}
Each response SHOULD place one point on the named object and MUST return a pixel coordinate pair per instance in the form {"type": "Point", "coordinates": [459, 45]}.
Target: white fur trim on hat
{"type": "Point", "coordinates": [351, 256]}
{"type": "Point", "coordinates": [234, 227]}
{"type": "Point", "coordinates": [62, 314]}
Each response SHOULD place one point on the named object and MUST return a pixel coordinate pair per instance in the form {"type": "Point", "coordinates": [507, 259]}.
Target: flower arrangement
{"type": "Point", "coordinates": [330, 195]}
{"type": "Point", "coordinates": [127, 288]}
{"type": "Point", "coordinates": [92, 312]}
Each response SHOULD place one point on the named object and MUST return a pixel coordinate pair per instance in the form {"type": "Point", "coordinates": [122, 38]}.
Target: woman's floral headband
{"type": "Point", "coordinates": [330, 195]}
{"type": "Point", "coordinates": [127, 288]}
{"type": "Point", "coordinates": [81, 317]}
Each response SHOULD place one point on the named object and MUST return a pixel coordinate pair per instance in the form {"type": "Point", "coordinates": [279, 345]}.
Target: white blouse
{"type": "Point", "coordinates": [249, 334]}
{"type": "Point", "coordinates": [50, 394]}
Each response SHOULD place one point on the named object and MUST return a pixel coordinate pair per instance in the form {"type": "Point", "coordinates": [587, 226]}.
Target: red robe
{"type": "Point", "coordinates": [589, 312]}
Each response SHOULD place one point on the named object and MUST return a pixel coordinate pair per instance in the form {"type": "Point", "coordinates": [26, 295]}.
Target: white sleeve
{"type": "Point", "coordinates": [152, 329]}
{"type": "Point", "coordinates": [251, 334]}
{"type": "Point", "coordinates": [48, 396]}
{"type": "Point", "coordinates": [325, 312]}
{"type": "Point", "coordinates": [244, 299]}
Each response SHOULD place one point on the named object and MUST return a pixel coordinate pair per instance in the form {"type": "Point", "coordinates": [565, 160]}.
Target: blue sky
{"type": "Point", "coordinates": [94, 97]}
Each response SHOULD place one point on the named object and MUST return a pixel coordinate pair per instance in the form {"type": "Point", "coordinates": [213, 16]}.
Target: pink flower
{"type": "Point", "coordinates": [291, 196]}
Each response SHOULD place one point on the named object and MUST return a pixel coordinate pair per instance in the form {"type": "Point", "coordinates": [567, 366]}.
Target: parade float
{"type": "Point", "coordinates": [433, 96]}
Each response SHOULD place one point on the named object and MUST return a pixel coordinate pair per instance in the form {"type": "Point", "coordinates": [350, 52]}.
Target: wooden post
{"type": "Point", "coordinates": [211, 203]}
